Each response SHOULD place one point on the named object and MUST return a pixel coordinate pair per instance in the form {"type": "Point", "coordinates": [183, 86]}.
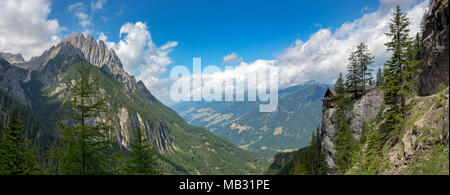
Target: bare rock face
{"type": "Point", "coordinates": [96, 53]}
{"type": "Point", "coordinates": [100, 55]}
{"type": "Point", "coordinates": [435, 49]}
{"type": "Point", "coordinates": [364, 109]}
{"type": "Point", "coordinates": [11, 79]}
{"type": "Point", "coordinates": [12, 58]}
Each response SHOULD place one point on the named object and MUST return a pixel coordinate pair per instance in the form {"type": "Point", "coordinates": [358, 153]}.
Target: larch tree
{"type": "Point", "coordinates": [86, 144]}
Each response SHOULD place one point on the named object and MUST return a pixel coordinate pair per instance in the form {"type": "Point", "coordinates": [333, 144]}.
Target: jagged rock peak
{"type": "Point", "coordinates": [12, 58]}
{"type": "Point", "coordinates": [96, 53]}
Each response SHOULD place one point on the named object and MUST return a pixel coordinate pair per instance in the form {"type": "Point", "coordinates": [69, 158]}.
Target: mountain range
{"type": "Point", "coordinates": [288, 128]}
{"type": "Point", "coordinates": [38, 88]}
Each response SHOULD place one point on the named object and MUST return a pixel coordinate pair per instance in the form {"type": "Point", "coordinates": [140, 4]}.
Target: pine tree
{"type": "Point", "coordinates": [86, 143]}
{"type": "Point", "coordinates": [339, 84]}
{"type": "Point", "coordinates": [359, 73]}
{"type": "Point", "coordinates": [353, 73]}
{"type": "Point", "coordinates": [319, 166]}
{"type": "Point", "coordinates": [371, 157]}
{"type": "Point", "coordinates": [142, 158]}
{"type": "Point", "coordinates": [393, 76]}
{"type": "Point", "coordinates": [380, 78]}
{"type": "Point", "coordinates": [17, 155]}
{"type": "Point", "coordinates": [365, 59]}
{"type": "Point", "coordinates": [345, 144]}
{"type": "Point", "coordinates": [409, 73]}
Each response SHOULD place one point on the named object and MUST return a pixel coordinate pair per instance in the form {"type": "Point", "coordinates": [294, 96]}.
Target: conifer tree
{"type": "Point", "coordinates": [380, 78]}
{"type": "Point", "coordinates": [365, 59]}
{"type": "Point", "coordinates": [142, 158]}
{"type": "Point", "coordinates": [359, 73]}
{"type": "Point", "coordinates": [339, 85]}
{"type": "Point", "coordinates": [345, 144]}
{"type": "Point", "coordinates": [353, 73]}
{"type": "Point", "coordinates": [371, 157]}
{"type": "Point", "coordinates": [17, 155]}
{"type": "Point", "coordinates": [311, 160]}
{"type": "Point", "coordinates": [318, 164]}
{"type": "Point", "coordinates": [86, 143]}
{"type": "Point", "coordinates": [394, 76]}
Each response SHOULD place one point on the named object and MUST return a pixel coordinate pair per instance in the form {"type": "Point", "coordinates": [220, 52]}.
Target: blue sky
{"type": "Point", "coordinates": [306, 40]}
{"type": "Point", "coordinates": [213, 29]}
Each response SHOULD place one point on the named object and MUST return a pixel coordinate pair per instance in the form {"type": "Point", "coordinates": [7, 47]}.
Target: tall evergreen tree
{"type": "Point", "coordinates": [380, 78]}
{"type": "Point", "coordinates": [345, 144]}
{"type": "Point", "coordinates": [86, 143]}
{"type": "Point", "coordinates": [142, 158]}
{"type": "Point", "coordinates": [311, 160]}
{"type": "Point", "coordinates": [359, 72]}
{"type": "Point", "coordinates": [393, 72]}
{"type": "Point", "coordinates": [318, 165]}
{"type": "Point", "coordinates": [365, 59]}
{"type": "Point", "coordinates": [17, 155]}
{"type": "Point", "coordinates": [353, 73]}
{"type": "Point", "coordinates": [339, 84]}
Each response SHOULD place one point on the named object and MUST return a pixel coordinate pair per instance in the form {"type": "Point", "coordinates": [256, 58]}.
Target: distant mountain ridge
{"type": "Point", "coordinates": [40, 84]}
{"type": "Point", "coordinates": [288, 128]}
{"type": "Point", "coordinates": [12, 58]}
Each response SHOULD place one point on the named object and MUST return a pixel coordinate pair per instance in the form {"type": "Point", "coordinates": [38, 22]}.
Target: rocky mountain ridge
{"type": "Point", "coordinates": [41, 84]}
{"type": "Point", "coordinates": [12, 58]}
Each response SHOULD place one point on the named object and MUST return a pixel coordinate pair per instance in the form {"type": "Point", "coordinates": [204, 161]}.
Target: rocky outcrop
{"type": "Point", "coordinates": [425, 133]}
{"type": "Point", "coordinates": [435, 49]}
{"type": "Point", "coordinates": [96, 53]}
{"type": "Point", "coordinates": [363, 110]}
{"type": "Point", "coordinates": [11, 79]}
{"type": "Point", "coordinates": [12, 58]}
{"type": "Point", "coordinates": [47, 70]}
{"type": "Point", "coordinates": [101, 56]}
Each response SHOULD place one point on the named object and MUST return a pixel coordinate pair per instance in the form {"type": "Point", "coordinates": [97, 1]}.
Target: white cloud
{"type": "Point", "coordinates": [102, 36]}
{"type": "Point", "coordinates": [75, 6]}
{"type": "Point", "coordinates": [25, 27]}
{"type": "Point", "coordinates": [139, 54]}
{"type": "Point", "coordinates": [98, 4]}
{"type": "Point", "coordinates": [325, 53]}
{"type": "Point", "coordinates": [79, 11]}
{"type": "Point", "coordinates": [86, 20]}
{"type": "Point", "coordinates": [232, 58]}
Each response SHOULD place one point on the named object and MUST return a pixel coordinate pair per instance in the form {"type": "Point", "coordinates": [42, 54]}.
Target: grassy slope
{"type": "Point", "coordinates": [421, 146]}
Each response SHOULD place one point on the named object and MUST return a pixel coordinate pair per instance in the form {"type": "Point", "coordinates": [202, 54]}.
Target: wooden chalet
{"type": "Point", "coordinates": [331, 93]}
{"type": "Point", "coordinates": [328, 99]}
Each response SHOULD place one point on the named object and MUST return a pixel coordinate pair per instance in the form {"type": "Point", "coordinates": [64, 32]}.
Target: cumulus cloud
{"type": "Point", "coordinates": [85, 20]}
{"type": "Point", "coordinates": [79, 11]}
{"type": "Point", "coordinates": [25, 27]}
{"type": "Point", "coordinates": [139, 54]}
{"type": "Point", "coordinates": [98, 4]}
{"type": "Point", "coordinates": [326, 52]}
{"type": "Point", "coordinates": [232, 59]}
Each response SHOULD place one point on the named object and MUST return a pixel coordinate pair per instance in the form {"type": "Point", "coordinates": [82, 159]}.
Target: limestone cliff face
{"type": "Point", "coordinates": [98, 54]}
{"type": "Point", "coordinates": [363, 110]}
{"type": "Point", "coordinates": [419, 147]}
{"type": "Point", "coordinates": [435, 49]}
